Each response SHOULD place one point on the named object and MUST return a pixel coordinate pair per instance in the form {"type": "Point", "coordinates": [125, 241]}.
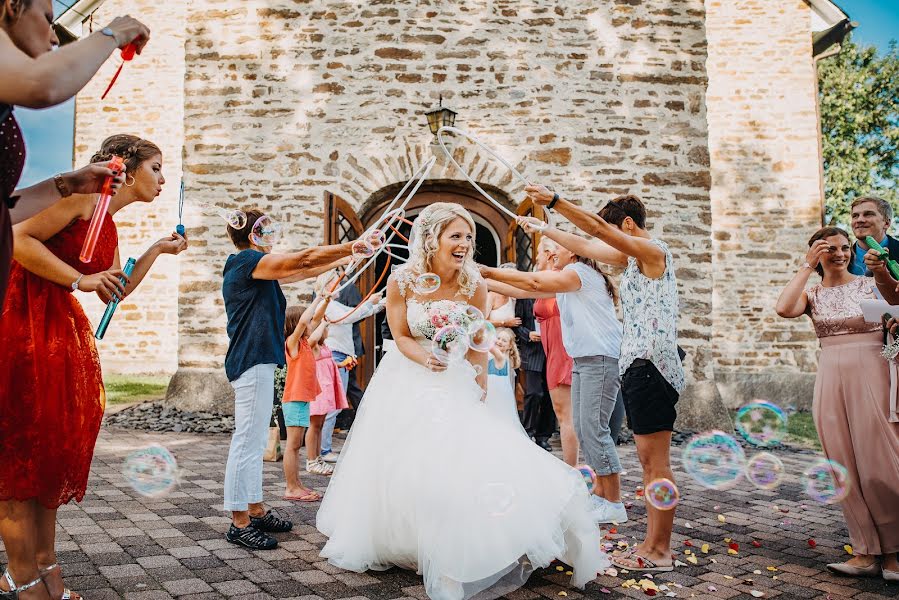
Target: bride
{"type": "Point", "coordinates": [429, 479]}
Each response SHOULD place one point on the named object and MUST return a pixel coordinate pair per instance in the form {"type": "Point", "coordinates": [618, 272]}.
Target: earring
{"type": "Point", "coordinates": [132, 180]}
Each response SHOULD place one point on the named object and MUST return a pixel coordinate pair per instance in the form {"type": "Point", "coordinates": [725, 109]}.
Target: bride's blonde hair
{"type": "Point", "coordinates": [425, 240]}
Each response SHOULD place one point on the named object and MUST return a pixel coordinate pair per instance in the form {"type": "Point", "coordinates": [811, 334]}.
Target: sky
{"type": "Point", "coordinates": [49, 133]}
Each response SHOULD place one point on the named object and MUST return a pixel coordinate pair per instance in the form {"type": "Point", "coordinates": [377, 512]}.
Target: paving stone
{"type": "Point", "coordinates": [184, 587]}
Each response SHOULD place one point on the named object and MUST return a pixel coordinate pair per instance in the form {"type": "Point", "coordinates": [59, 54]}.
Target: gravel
{"type": "Point", "coordinates": [156, 416]}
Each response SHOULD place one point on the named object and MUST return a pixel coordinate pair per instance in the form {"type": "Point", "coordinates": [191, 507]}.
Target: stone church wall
{"type": "Point", "coordinates": [285, 101]}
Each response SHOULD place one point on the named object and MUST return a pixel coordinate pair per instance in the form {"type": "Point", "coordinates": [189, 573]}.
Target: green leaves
{"type": "Point", "coordinates": [859, 100]}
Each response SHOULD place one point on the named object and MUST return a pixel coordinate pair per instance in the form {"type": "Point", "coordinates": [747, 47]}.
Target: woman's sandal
{"type": "Point", "coordinates": [67, 594]}
{"type": "Point", "coordinates": [15, 590]}
{"type": "Point", "coordinates": [640, 563]}
{"type": "Point", "coordinates": [310, 497]}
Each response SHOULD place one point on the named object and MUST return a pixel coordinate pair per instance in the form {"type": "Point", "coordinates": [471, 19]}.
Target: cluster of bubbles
{"type": "Point", "coordinates": [826, 481]}
{"type": "Point", "coordinates": [472, 331]}
{"type": "Point", "coordinates": [151, 472]}
{"type": "Point", "coordinates": [715, 460]}
{"type": "Point", "coordinates": [761, 423]}
{"type": "Point", "coordinates": [266, 232]}
{"type": "Point", "coordinates": [662, 494]}
{"type": "Point", "coordinates": [235, 218]}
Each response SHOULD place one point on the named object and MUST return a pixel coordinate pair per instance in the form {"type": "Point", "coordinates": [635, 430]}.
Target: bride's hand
{"type": "Point", "coordinates": [434, 364]}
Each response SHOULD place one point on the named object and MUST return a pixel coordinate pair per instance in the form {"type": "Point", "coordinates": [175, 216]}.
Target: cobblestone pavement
{"type": "Point", "coordinates": [117, 544]}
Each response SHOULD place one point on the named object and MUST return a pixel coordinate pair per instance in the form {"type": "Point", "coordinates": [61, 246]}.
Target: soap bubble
{"type": "Point", "coordinates": [427, 283]}
{"type": "Point", "coordinates": [765, 471]}
{"type": "Point", "coordinates": [151, 471]}
{"type": "Point", "coordinates": [362, 249]}
{"type": "Point", "coordinates": [481, 336]}
{"type": "Point", "coordinates": [472, 313]}
{"type": "Point", "coordinates": [662, 494]}
{"type": "Point", "coordinates": [761, 423]}
{"type": "Point", "coordinates": [714, 459]}
{"type": "Point", "coordinates": [450, 344]}
{"type": "Point", "coordinates": [376, 238]}
{"type": "Point", "coordinates": [235, 218]}
{"type": "Point", "coordinates": [266, 232]}
{"type": "Point", "coordinates": [826, 481]}
{"type": "Point", "coordinates": [588, 475]}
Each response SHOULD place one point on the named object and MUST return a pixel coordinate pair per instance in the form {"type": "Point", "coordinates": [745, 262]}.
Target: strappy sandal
{"type": "Point", "coordinates": [15, 590]}
{"type": "Point", "coordinates": [67, 594]}
{"type": "Point", "coordinates": [635, 562]}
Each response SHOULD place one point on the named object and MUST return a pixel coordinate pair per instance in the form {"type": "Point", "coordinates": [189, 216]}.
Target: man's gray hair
{"type": "Point", "coordinates": [883, 207]}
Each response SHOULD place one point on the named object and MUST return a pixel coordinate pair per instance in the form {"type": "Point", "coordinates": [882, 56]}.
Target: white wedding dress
{"type": "Point", "coordinates": [432, 480]}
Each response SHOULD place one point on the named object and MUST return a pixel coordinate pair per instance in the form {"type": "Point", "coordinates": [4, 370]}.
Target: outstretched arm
{"type": "Point", "coordinates": [553, 282]}
{"type": "Point", "coordinates": [300, 265]}
{"type": "Point", "coordinates": [640, 248]}
{"type": "Point", "coordinates": [513, 292]}
{"type": "Point", "coordinates": [54, 77]}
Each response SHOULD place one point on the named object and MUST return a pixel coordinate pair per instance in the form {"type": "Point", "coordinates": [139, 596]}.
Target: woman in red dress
{"type": "Point", "coordinates": [53, 397]}
{"type": "Point", "coordinates": [558, 363]}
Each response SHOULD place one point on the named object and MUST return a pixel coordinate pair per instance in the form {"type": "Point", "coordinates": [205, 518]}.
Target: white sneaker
{"type": "Point", "coordinates": [608, 512]}
{"type": "Point", "coordinates": [330, 457]}
{"type": "Point", "coordinates": [319, 467]}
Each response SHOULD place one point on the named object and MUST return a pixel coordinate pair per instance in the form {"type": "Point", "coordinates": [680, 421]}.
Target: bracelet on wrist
{"type": "Point", "coordinates": [62, 186]}
{"type": "Point", "coordinates": [553, 201]}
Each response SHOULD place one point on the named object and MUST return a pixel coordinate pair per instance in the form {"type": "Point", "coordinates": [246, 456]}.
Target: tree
{"type": "Point", "coordinates": [859, 100]}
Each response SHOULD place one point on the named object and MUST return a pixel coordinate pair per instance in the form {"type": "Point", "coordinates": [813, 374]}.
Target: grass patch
{"type": "Point", "coordinates": [121, 389]}
{"type": "Point", "coordinates": [801, 430]}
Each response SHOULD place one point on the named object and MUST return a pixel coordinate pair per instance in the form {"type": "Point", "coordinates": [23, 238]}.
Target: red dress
{"type": "Point", "coordinates": [558, 363]}
{"type": "Point", "coordinates": [52, 396]}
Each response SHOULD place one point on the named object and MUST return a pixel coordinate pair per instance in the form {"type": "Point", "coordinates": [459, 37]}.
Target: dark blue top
{"type": "Point", "coordinates": [255, 309]}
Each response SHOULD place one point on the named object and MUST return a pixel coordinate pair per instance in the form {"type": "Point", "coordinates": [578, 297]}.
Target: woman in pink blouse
{"type": "Point", "coordinates": [851, 404]}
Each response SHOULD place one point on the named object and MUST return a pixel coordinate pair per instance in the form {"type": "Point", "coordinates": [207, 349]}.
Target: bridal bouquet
{"type": "Point", "coordinates": [442, 313]}
{"type": "Point", "coordinates": [891, 350]}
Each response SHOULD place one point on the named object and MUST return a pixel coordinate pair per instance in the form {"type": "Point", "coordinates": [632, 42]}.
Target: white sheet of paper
{"type": "Point", "coordinates": [874, 309]}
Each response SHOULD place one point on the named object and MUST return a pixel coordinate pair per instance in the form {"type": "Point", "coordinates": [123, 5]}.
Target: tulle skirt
{"type": "Point", "coordinates": [452, 490]}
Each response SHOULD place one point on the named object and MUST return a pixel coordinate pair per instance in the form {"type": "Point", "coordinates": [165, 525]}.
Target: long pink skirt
{"type": "Point", "coordinates": [851, 411]}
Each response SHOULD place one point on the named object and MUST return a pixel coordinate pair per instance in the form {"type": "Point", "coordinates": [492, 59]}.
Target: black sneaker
{"type": "Point", "coordinates": [250, 537]}
{"type": "Point", "coordinates": [271, 523]}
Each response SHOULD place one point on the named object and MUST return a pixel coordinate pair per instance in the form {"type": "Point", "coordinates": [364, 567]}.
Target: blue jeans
{"type": "Point", "coordinates": [331, 417]}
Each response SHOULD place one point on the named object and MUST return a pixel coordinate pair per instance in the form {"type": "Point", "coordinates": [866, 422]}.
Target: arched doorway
{"type": "Point", "coordinates": [498, 238]}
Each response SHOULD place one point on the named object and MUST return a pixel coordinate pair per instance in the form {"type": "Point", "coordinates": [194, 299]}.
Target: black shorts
{"type": "Point", "coordinates": [648, 399]}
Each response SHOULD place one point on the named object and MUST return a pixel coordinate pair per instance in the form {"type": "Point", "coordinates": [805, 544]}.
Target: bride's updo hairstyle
{"type": "Point", "coordinates": [425, 240]}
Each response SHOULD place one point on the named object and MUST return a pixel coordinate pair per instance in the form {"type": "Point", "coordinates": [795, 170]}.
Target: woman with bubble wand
{"type": "Point", "coordinates": [43, 329]}
{"type": "Point", "coordinates": [464, 498]}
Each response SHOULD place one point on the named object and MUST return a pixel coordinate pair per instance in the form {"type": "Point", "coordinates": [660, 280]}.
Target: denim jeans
{"type": "Point", "coordinates": [331, 417]}
{"type": "Point", "coordinates": [254, 395]}
{"type": "Point", "coordinates": [594, 394]}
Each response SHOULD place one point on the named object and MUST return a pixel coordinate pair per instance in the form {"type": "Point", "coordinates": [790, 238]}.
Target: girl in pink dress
{"type": "Point", "coordinates": [331, 398]}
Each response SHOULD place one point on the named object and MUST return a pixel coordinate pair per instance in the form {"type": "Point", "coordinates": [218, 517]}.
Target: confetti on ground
{"type": "Point", "coordinates": [812, 543]}
{"type": "Point", "coordinates": [756, 544]}
{"type": "Point", "coordinates": [772, 568]}
{"type": "Point", "coordinates": [692, 560]}
{"type": "Point", "coordinates": [687, 525]}
{"type": "Point", "coordinates": [705, 548]}
{"type": "Point", "coordinates": [678, 563]}
{"type": "Point", "coordinates": [605, 590]}
{"type": "Point", "coordinates": [563, 593]}
{"type": "Point", "coordinates": [757, 594]}
{"type": "Point", "coordinates": [712, 588]}
{"type": "Point", "coordinates": [688, 543]}
{"type": "Point", "coordinates": [848, 549]}
{"type": "Point", "coordinates": [722, 519]}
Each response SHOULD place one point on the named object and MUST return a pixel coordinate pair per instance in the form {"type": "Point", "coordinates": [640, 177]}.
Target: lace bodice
{"type": "Point", "coordinates": [836, 310]}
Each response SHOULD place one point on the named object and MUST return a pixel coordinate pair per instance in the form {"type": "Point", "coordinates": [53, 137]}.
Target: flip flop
{"type": "Point", "coordinates": [311, 497]}
{"type": "Point", "coordinates": [640, 564]}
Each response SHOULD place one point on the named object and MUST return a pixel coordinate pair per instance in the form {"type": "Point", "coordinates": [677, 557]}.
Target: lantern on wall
{"type": "Point", "coordinates": [440, 117]}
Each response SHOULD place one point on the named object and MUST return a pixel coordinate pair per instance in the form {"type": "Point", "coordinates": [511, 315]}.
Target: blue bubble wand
{"type": "Point", "coordinates": [180, 227]}
{"type": "Point", "coordinates": [112, 304]}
